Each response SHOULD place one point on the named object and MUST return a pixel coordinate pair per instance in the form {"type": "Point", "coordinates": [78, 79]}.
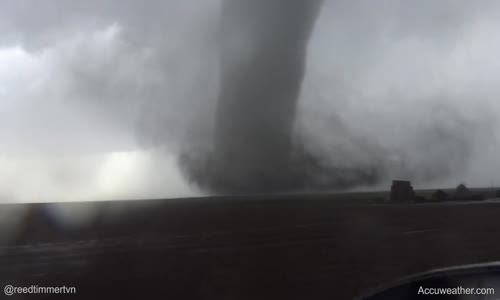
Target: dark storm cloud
{"type": "Point", "coordinates": [145, 73]}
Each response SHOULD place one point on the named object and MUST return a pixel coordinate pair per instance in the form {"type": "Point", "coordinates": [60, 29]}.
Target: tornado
{"type": "Point", "coordinates": [263, 47]}
{"type": "Point", "coordinates": [263, 54]}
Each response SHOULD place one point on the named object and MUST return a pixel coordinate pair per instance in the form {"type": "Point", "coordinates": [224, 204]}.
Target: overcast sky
{"type": "Point", "coordinates": [97, 96]}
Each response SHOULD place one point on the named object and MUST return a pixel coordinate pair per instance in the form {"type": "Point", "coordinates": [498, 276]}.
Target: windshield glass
{"type": "Point", "coordinates": [118, 100]}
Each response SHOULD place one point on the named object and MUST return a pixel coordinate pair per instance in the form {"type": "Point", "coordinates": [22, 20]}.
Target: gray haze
{"type": "Point", "coordinates": [99, 99]}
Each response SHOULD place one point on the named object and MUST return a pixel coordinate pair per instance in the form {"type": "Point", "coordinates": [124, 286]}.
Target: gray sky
{"type": "Point", "coordinates": [97, 97]}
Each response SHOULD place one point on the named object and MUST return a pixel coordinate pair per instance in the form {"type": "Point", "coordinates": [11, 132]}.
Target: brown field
{"type": "Point", "coordinates": [281, 247]}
